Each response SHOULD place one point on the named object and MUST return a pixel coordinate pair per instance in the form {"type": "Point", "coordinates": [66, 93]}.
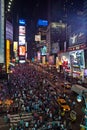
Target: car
{"type": "Point", "coordinates": [63, 104]}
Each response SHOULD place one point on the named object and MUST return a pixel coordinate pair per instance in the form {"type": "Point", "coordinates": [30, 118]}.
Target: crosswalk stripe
{"type": "Point", "coordinates": [14, 119]}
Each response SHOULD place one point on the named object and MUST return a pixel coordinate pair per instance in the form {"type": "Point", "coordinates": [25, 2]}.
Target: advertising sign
{"type": "Point", "coordinates": [77, 58]}
{"type": "Point", "coordinates": [15, 46]}
{"type": "Point", "coordinates": [2, 15]}
{"type": "Point", "coordinates": [9, 31]}
{"type": "Point", "coordinates": [37, 38]}
{"type": "Point", "coordinates": [43, 60]}
{"type": "Point", "coordinates": [38, 56]}
{"type": "Point", "coordinates": [51, 60]}
{"type": "Point", "coordinates": [22, 50]}
{"type": "Point", "coordinates": [7, 55]}
{"type": "Point", "coordinates": [21, 30]}
{"type": "Point", "coordinates": [21, 40]}
{"type": "Point", "coordinates": [42, 22]}
{"type": "Point", "coordinates": [21, 21]}
{"type": "Point", "coordinates": [76, 39]}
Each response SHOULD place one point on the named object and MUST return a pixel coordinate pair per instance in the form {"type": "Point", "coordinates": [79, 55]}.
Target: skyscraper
{"type": "Point", "coordinates": [2, 16]}
{"type": "Point", "coordinates": [85, 16]}
{"type": "Point", "coordinates": [69, 11]}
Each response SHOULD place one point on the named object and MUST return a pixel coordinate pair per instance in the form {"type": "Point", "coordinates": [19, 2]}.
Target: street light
{"type": "Point", "coordinates": [79, 99]}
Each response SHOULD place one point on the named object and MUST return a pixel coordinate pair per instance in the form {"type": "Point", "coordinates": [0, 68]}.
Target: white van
{"type": "Point", "coordinates": [78, 88]}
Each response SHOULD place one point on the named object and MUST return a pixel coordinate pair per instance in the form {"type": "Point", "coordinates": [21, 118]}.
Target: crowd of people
{"type": "Point", "coordinates": [28, 93]}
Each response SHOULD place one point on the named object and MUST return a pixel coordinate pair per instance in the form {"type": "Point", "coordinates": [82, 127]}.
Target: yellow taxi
{"type": "Point", "coordinates": [62, 103]}
{"type": "Point", "coordinates": [68, 86]}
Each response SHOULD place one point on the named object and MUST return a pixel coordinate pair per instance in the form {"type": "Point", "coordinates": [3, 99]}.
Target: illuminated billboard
{"type": "Point", "coordinates": [21, 40]}
{"type": "Point", "coordinates": [75, 39]}
{"type": "Point", "coordinates": [7, 55]}
{"type": "Point", "coordinates": [37, 38]}
{"type": "Point", "coordinates": [2, 16]}
{"type": "Point", "coordinates": [21, 30]}
{"type": "Point", "coordinates": [9, 31]}
{"type": "Point", "coordinates": [42, 22]}
{"type": "Point", "coordinates": [22, 45]}
{"type": "Point", "coordinates": [77, 58]}
{"type": "Point", "coordinates": [22, 50]}
{"type": "Point", "coordinates": [38, 56]}
{"type": "Point", "coordinates": [51, 60]}
{"type": "Point", "coordinates": [21, 21]}
{"type": "Point", "coordinates": [44, 50]}
{"type": "Point", "coordinates": [15, 46]}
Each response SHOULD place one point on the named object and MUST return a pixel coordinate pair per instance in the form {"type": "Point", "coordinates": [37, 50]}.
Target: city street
{"type": "Point", "coordinates": [52, 84]}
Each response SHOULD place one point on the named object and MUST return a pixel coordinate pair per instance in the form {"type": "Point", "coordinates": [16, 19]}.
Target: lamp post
{"type": "Point", "coordinates": [79, 99]}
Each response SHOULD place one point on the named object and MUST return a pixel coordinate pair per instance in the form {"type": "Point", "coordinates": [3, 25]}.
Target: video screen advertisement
{"type": "Point", "coordinates": [77, 58]}
{"type": "Point", "coordinates": [22, 30]}
{"type": "Point", "coordinates": [51, 60]}
{"type": "Point", "coordinates": [22, 41]}
{"type": "Point", "coordinates": [22, 53]}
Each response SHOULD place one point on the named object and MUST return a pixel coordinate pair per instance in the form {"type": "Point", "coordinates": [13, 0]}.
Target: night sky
{"type": "Point", "coordinates": [31, 11]}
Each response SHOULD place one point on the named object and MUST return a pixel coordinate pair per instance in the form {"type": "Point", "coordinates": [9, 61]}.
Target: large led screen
{"type": "Point", "coordinates": [75, 39]}
{"type": "Point", "coordinates": [51, 60]}
{"type": "Point", "coordinates": [21, 40]}
{"type": "Point", "coordinates": [37, 38]}
{"type": "Point", "coordinates": [42, 22]}
{"type": "Point", "coordinates": [22, 30]}
{"type": "Point", "coordinates": [77, 58]}
{"type": "Point", "coordinates": [7, 54]}
{"type": "Point", "coordinates": [44, 50]}
{"type": "Point", "coordinates": [22, 50]}
{"type": "Point", "coordinates": [9, 31]}
{"type": "Point", "coordinates": [21, 21]}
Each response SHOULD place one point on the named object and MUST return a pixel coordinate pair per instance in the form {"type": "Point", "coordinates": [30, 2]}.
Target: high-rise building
{"type": "Point", "coordinates": [2, 26]}
{"type": "Point", "coordinates": [56, 36]}
{"type": "Point", "coordinates": [85, 16]}
{"type": "Point", "coordinates": [69, 11]}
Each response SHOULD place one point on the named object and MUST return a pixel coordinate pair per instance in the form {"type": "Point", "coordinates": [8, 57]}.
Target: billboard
{"type": "Point", "coordinates": [38, 56]}
{"type": "Point", "coordinates": [42, 22]}
{"type": "Point", "coordinates": [22, 50]}
{"type": "Point", "coordinates": [7, 55]}
{"type": "Point", "coordinates": [9, 31]}
{"type": "Point", "coordinates": [75, 39]}
{"type": "Point", "coordinates": [51, 60]}
{"type": "Point", "coordinates": [2, 54]}
{"type": "Point", "coordinates": [21, 30]}
{"type": "Point", "coordinates": [77, 58]}
{"type": "Point", "coordinates": [15, 46]}
{"type": "Point", "coordinates": [55, 48]}
{"type": "Point", "coordinates": [37, 38]}
{"type": "Point", "coordinates": [44, 50]}
{"type": "Point", "coordinates": [21, 40]}
{"type": "Point", "coordinates": [21, 21]}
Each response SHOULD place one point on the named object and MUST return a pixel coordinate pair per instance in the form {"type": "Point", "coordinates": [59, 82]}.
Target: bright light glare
{"type": "Point", "coordinates": [9, 3]}
{"type": "Point", "coordinates": [8, 10]}
{"type": "Point", "coordinates": [79, 98]}
{"type": "Point", "coordinates": [9, 6]}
